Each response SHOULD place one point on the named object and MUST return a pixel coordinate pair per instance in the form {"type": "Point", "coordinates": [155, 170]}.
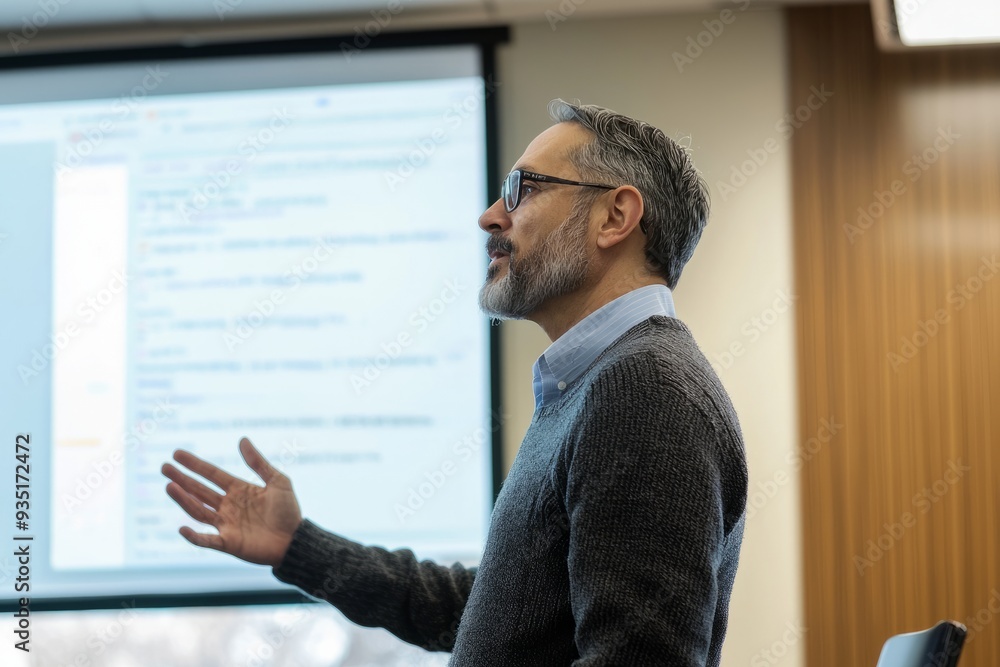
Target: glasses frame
{"type": "Point", "coordinates": [508, 192]}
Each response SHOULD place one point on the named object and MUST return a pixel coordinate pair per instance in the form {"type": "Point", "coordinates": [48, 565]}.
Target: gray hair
{"type": "Point", "coordinates": [626, 151]}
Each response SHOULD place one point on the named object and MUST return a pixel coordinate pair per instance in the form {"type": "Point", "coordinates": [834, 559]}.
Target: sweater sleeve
{"type": "Point", "coordinates": [419, 602]}
{"type": "Point", "coordinates": [644, 500]}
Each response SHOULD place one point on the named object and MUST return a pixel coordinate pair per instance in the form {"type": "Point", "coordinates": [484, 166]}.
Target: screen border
{"type": "Point", "coordinates": [486, 38]}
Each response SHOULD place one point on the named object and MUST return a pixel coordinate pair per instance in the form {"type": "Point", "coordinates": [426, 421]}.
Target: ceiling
{"type": "Point", "coordinates": [55, 14]}
{"type": "Point", "coordinates": [46, 25]}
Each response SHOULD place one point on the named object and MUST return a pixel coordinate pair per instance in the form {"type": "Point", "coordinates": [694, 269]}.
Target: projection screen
{"type": "Point", "coordinates": [278, 245]}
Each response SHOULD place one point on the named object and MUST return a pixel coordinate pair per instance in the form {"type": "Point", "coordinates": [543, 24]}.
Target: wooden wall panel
{"type": "Point", "coordinates": [896, 181]}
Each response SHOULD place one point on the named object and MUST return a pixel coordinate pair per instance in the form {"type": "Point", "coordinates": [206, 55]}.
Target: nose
{"type": "Point", "coordinates": [495, 219]}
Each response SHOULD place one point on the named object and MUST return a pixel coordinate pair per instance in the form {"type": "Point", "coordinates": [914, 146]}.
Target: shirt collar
{"type": "Point", "coordinates": [573, 352]}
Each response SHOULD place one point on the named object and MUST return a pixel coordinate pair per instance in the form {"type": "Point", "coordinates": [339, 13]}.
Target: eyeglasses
{"type": "Point", "coordinates": [511, 188]}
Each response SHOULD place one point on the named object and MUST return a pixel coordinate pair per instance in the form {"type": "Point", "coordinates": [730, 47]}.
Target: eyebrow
{"type": "Point", "coordinates": [525, 167]}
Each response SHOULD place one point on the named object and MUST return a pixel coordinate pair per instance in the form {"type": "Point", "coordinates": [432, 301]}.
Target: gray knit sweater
{"type": "Point", "coordinates": [614, 540]}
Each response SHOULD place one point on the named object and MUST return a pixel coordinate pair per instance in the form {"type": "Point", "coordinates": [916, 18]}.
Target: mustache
{"type": "Point", "coordinates": [499, 244]}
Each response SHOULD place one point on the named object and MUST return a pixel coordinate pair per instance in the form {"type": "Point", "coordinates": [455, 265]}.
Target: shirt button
{"type": "Point", "coordinates": [561, 385]}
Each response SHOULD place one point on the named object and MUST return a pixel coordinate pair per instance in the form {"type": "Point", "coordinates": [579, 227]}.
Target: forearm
{"type": "Point", "coordinates": [420, 602]}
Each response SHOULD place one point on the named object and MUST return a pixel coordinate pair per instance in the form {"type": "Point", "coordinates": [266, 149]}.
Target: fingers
{"type": "Point", "coordinates": [193, 486]}
{"type": "Point", "coordinates": [189, 504]}
{"type": "Point", "coordinates": [217, 476]}
{"type": "Point", "coordinates": [206, 540]}
{"type": "Point", "coordinates": [257, 462]}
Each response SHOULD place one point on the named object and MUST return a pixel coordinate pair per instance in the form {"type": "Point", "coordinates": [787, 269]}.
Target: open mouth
{"type": "Point", "coordinates": [497, 248]}
{"type": "Point", "coordinates": [496, 255]}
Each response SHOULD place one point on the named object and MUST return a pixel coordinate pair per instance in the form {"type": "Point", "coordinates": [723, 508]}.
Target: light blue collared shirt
{"type": "Point", "coordinates": [573, 352]}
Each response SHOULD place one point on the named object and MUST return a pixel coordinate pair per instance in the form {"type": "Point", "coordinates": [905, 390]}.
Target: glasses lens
{"type": "Point", "coordinates": [511, 190]}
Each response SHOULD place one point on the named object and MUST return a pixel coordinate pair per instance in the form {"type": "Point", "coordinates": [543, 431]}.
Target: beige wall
{"type": "Point", "coordinates": [728, 101]}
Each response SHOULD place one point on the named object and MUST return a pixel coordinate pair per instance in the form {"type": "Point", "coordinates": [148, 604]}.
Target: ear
{"type": "Point", "coordinates": [621, 216]}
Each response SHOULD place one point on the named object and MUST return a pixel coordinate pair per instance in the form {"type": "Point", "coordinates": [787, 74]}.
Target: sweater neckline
{"type": "Point", "coordinates": [636, 330]}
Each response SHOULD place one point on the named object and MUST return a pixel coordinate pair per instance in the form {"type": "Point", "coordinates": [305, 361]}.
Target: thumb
{"type": "Point", "coordinates": [257, 462]}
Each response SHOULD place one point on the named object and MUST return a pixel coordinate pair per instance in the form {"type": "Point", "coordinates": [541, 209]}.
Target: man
{"type": "Point", "coordinates": [616, 535]}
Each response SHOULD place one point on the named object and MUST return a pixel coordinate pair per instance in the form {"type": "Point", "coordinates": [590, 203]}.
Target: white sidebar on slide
{"type": "Point", "coordinates": [88, 373]}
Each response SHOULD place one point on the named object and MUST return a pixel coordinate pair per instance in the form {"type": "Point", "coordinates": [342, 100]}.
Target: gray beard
{"type": "Point", "coordinates": [557, 267]}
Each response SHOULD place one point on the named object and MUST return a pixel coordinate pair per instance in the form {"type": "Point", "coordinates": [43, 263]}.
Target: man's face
{"type": "Point", "coordinates": [541, 248]}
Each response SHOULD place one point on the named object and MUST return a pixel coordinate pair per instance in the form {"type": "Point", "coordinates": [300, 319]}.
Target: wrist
{"type": "Point", "coordinates": [284, 545]}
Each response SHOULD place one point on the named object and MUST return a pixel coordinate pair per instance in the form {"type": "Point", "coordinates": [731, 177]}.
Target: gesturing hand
{"type": "Point", "coordinates": [254, 523]}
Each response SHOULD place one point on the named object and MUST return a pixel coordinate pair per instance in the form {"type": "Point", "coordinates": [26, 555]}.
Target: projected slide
{"type": "Point", "coordinates": [283, 248]}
